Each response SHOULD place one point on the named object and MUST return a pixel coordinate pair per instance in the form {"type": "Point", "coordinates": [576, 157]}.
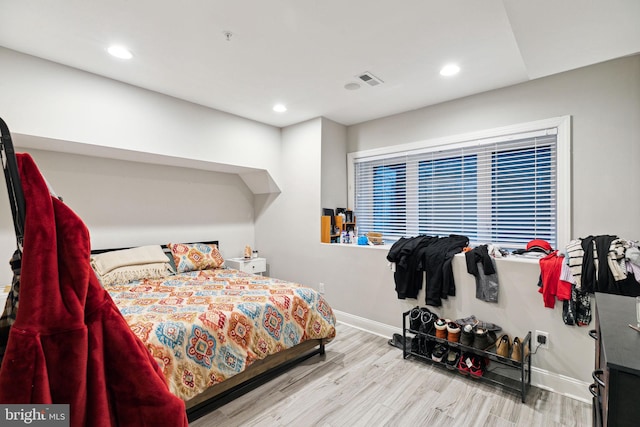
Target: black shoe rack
{"type": "Point", "coordinates": [513, 375]}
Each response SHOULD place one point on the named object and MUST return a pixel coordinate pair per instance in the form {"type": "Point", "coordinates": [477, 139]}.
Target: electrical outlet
{"type": "Point", "coordinates": [541, 338]}
{"type": "Point", "coordinates": [321, 288]}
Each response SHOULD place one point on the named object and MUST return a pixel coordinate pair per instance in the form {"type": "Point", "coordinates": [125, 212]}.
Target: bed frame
{"type": "Point", "coordinates": [255, 375]}
{"type": "Point", "coordinates": [260, 372]}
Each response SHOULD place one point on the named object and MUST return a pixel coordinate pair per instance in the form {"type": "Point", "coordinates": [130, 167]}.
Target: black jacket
{"type": "Point", "coordinates": [429, 254]}
{"type": "Point", "coordinates": [436, 260]}
{"type": "Point", "coordinates": [408, 276]}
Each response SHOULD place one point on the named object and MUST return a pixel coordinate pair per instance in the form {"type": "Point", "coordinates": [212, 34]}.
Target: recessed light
{"type": "Point", "coordinates": [352, 86]}
{"type": "Point", "coordinates": [449, 70]}
{"type": "Point", "coordinates": [279, 108]}
{"type": "Point", "coordinates": [120, 52]}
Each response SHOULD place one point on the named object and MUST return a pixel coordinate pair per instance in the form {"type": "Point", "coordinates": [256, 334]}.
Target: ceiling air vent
{"type": "Point", "coordinates": [369, 79]}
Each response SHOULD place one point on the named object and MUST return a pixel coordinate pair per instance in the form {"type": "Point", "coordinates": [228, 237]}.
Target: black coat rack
{"type": "Point", "coordinates": [12, 178]}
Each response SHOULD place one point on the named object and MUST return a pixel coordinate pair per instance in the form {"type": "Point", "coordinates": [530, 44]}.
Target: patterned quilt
{"type": "Point", "coordinates": [205, 326]}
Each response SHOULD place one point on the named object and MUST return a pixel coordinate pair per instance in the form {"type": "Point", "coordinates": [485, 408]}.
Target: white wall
{"type": "Point", "coordinates": [44, 99]}
{"type": "Point", "coordinates": [333, 165]}
{"type": "Point", "coordinates": [604, 102]}
{"type": "Point", "coordinates": [48, 107]}
{"type": "Point", "coordinates": [289, 230]}
{"type": "Point", "coordinates": [130, 204]}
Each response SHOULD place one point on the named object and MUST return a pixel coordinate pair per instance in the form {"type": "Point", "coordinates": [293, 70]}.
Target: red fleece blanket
{"type": "Point", "coordinates": [69, 343]}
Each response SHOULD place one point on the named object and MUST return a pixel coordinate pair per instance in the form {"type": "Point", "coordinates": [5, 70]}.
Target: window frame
{"type": "Point", "coordinates": [562, 125]}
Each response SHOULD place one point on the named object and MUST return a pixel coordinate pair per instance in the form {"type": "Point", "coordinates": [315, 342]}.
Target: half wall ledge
{"type": "Point", "coordinates": [258, 180]}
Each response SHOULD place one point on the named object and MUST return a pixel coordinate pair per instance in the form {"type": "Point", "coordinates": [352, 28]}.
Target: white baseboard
{"type": "Point", "coordinates": [556, 383]}
{"type": "Point", "coordinates": [366, 325]}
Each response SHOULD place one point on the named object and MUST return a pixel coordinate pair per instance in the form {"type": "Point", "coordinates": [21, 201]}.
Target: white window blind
{"type": "Point", "coordinates": [499, 190]}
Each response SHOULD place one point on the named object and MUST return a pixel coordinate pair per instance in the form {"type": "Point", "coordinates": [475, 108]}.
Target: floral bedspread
{"type": "Point", "coordinates": [205, 326]}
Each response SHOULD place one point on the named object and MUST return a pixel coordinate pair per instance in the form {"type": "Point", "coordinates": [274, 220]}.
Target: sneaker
{"type": "Point", "coordinates": [503, 348]}
{"type": "Point", "coordinates": [477, 368]}
{"type": "Point", "coordinates": [441, 328]}
{"type": "Point", "coordinates": [438, 352]}
{"type": "Point", "coordinates": [453, 332]}
{"type": "Point", "coordinates": [466, 336]}
{"type": "Point", "coordinates": [453, 358]}
{"type": "Point", "coordinates": [463, 366]}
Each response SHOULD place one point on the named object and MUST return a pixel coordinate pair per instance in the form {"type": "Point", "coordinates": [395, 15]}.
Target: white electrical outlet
{"type": "Point", "coordinates": [540, 338]}
{"type": "Point", "coordinates": [321, 288]}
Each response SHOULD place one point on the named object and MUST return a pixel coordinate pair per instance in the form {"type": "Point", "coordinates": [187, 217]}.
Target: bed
{"type": "Point", "coordinates": [216, 332]}
{"type": "Point", "coordinates": [120, 333]}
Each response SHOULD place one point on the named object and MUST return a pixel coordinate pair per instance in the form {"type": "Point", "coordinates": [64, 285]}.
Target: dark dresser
{"type": "Point", "coordinates": [616, 387]}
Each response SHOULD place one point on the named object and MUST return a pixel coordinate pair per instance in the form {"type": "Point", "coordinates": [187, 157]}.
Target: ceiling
{"type": "Point", "coordinates": [302, 52]}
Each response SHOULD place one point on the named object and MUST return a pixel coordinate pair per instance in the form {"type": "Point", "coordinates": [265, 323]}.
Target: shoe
{"type": "Point", "coordinates": [416, 345]}
{"type": "Point", "coordinates": [427, 348]}
{"type": "Point", "coordinates": [471, 320]}
{"type": "Point", "coordinates": [398, 340]}
{"type": "Point", "coordinates": [441, 328]}
{"type": "Point", "coordinates": [464, 362]}
{"type": "Point", "coordinates": [477, 368]}
{"type": "Point", "coordinates": [452, 359]}
{"type": "Point", "coordinates": [503, 348]}
{"type": "Point", "coordinates": [488, 326]}
{"type": "Point", "coordinates": [516, 354]}
{"type": "Point", "coordinates": [427, 319]}
{"type": "Point", "coordinates": [415, 316]}
{"type": "Point", "coordinates": [480, 340]}
{"type": "Point", "coordinates": [484, 339]}
{"type": "Point", "coordinates": [466, 336]}
{"type": "Point", "coordinates": [453, 332]}
{"type": "Point", "coordinates": [438, 352]}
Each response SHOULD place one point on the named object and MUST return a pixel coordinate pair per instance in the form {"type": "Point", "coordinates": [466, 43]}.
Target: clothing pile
{"type": "Point", "coordinates": [603, 263]}
{"type": "Point", "coordinates": [432, 255]}
{"type": "Point", "coordinates": [606, 264]}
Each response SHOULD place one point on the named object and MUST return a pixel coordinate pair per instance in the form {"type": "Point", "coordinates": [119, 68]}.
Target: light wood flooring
{"type": "Point", "coordinates": [363, 381]}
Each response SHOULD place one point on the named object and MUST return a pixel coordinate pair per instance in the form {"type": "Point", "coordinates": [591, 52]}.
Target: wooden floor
{"type": "Point", "coordinates": [363, 381]}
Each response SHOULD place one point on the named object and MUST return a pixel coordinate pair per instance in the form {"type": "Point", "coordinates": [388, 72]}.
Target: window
{"type": "Point", "coordinates": [389, 197]}
{"type": "Point", "coordinates": [505, 186]}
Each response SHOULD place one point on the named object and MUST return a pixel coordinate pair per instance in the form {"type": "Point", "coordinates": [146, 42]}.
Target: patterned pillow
{"type": "Point", "coordinates": [195, 256]}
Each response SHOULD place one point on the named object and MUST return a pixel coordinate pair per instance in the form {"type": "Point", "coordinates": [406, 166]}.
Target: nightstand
{"type": "Point", "coordinates": [4, 293]}
{"type": "Point", "coordinates": [248, 265]}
